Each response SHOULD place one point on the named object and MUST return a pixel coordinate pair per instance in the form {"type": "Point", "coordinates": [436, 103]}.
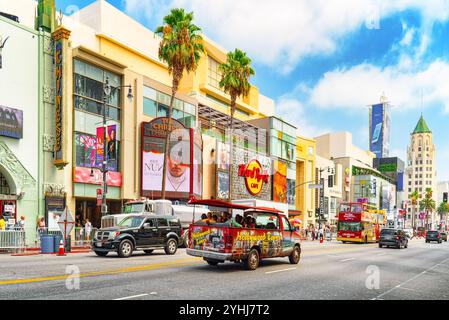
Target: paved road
{"type": "Point", "coordinates": [326, 271]}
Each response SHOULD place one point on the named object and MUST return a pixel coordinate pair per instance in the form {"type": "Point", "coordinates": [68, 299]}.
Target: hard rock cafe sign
{"type": "Point", "coordinates": [254, 176]}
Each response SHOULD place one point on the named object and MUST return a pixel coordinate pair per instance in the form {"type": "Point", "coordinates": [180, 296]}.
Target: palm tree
{"type": "Point", "coordinates": [180, 47]}
{"type": "Point", "coordinates": [443, 209]}
{"type": "Point", "coordinates": [414, 196]}
{"type": "Point", "coordinates": [427, 204]}
{"type": "Point", "coordinates": [235, 81]}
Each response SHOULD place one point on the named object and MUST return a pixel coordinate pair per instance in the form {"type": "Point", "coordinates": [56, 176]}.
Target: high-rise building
{"type": "Point", "coordinates": [379, 129]}
{"type": "Point", "coordinates": [420, 172]}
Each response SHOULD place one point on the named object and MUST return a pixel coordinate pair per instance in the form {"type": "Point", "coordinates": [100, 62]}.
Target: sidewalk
{"type": "Point", "coordinates": [37, 251]}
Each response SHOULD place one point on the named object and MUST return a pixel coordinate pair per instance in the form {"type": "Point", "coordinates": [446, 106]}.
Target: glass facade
{"type": "Point", "coordinates": [88, 83]}
{"type": "Point", "coordinates": [156, 104]}
{"type": "Point", "coordinates": [283, 146]}
{"type": "Point", "coordinates": [88, 97]}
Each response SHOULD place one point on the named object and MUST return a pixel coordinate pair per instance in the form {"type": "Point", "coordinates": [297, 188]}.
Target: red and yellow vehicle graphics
{"type": "Point", "coordinates": [272, 236]}
{"type": "Point", "coordinates": [360, 222]}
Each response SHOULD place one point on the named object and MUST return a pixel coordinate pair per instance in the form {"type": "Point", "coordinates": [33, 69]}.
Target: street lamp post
{"type": "Point", "coordinates": [108, 90]}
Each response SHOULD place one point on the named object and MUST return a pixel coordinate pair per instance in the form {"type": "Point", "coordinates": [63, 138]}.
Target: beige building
{"type": "Point", "coordinates": [339, 148]}
{"type": "Point", "coordinates": [421, 169]}
{"type": "Point", "coordinates": [332, 195]}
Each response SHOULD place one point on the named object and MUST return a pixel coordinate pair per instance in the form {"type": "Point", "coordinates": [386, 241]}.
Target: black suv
{"type": "Point", "coordinates": [139, 232]}
{"type": "Point", "coordinates": [433, 236]}
{"type": "Point", "coordinates": [393, 237]}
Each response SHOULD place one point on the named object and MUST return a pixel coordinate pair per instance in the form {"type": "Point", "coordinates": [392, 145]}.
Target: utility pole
{"type": "Point", "coordinates": [107, 91]}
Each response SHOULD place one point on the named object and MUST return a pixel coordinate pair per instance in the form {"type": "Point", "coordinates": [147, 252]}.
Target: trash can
{"type": "Point", "coordinates": [56, 240]}
{"type": "Point", "coordinates": [47, 244]}
{"type": "Point", "coordinates": [68, 244]}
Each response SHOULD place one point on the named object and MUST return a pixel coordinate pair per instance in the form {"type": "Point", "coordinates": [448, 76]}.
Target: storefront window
{"type": "Point", "coordinates": [150, 107]}
{"type": "Point", "coordinates": [162, 110]}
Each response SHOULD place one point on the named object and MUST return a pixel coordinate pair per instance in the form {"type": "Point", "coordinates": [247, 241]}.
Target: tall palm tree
{"type": "Point", "coordinates": [443, 209]}
{"type": "Point", "coordinates": [235, 81]}
{"type": "Point", "coordinates": [180, 47]}
{"type": "Point", "coordinates": [414, 196]}
{"type": "Point", "coordinates": [427, 204]}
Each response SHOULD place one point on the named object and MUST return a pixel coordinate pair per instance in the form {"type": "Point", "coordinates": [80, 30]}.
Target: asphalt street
{"type": "Point", "coordinates": [326, 271]}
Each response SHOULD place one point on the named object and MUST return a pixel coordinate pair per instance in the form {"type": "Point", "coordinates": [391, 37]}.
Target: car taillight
{"type": "Point", "coordinates": [398, 238]}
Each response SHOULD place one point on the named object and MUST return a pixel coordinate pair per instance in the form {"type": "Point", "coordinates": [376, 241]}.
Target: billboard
{"type": "Point", "coordinates": [11, 122]}
{"type": "Point", "coordinates": [279, 181]}
{"type": "Point", "coordinates": [184, 161]}
{"type": "Point", "coordinates": [380, 124]}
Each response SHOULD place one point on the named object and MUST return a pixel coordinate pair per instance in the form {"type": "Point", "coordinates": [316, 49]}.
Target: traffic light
{"type": "Point", "coordinates": [317, 213]}
{"type": "Point", "coordinates": [445, 197]}
{"type": "Point", "coordinates": [330, 181]}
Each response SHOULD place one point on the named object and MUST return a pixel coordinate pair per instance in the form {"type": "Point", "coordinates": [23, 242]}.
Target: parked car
{"type": "Point", "coordinates": [433, 235]}
{"type": "Point", "coordinates": [391, 237]}
{"type": "Point", "coordinates": [444, 236]}
{"type": "Point", "coordinates": [147, 232]}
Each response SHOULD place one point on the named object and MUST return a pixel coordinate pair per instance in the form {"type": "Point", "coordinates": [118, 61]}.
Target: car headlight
{"type": "Point", "coordinates": [113, 235]}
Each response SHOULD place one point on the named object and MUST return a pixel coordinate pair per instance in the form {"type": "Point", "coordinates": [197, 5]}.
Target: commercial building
{"type": "Point", "coordinates": [25, 76]}
{"type": "Point", "coordinates": [332, 192]}
{"type": "Point", "coordinates": [281, 141]}
{"type": "Point", "coordinates": [104, 46]}
{"type": "Point", "coordinates": [421, 171]}
{"type": "Point", "coordinates": [379, 128]}
{"type": "Point", "coordinates": [305, 176]}
{"type": "Point", "coordinates": [360, 182]}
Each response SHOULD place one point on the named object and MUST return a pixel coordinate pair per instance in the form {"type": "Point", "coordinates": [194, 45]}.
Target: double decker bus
{"type": "Point", "coordinates": [360, 222]}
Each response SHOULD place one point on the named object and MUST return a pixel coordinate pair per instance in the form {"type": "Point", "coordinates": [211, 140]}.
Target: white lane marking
{"type": "Point", "coordinates": [131, 297]}
{"type": "Point", "coordinates": [289, 269]}
{"type": "Point", "coordinates": [349, 259]}
{"type": "Point", "coordinates": [411, 279]}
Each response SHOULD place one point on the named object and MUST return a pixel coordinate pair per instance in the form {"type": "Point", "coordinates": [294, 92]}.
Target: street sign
{"type": "Point", "coordinates": [66, 223]}
{"type": "Point", "coordinates": [315, 186]}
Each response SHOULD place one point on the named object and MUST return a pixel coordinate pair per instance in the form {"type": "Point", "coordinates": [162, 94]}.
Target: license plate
{"type": "Point", "coordinates": [98, 244]}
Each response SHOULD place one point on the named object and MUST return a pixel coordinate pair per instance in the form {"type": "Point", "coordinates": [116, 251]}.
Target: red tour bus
{"type": "Point", "coordinates": [360, 222]}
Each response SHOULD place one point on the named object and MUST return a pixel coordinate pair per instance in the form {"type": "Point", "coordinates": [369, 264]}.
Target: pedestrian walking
{"type": "Point", "coordinates": [22, 223]}
{"type": "Point", "coordinates": [87, 229]}
{"type": "Point", "coordinates": [321, 234]}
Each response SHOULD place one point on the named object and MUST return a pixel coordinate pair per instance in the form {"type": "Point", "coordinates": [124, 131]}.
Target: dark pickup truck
{"type": "Point", "coordinates": [145, 232]}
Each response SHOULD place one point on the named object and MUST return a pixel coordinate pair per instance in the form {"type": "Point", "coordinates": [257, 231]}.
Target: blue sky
{"type": "Point", "coordinates": [324, 61]}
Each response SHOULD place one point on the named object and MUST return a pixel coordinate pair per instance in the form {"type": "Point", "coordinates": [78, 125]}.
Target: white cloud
{"type": "Point", "coordinates": [279, 34]}
{"type": "Point", "coordinates": [360, 85]}
{"type": "Point", "coordinates": [293, 112]}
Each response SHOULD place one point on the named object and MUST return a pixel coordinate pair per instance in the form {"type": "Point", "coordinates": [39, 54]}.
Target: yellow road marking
{"type": "Point", "coordinates": [176, 263]}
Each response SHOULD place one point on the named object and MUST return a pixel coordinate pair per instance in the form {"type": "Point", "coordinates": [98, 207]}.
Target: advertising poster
{"type": "Point", "coordinates": [100, 146]}
{"type": "Point", "coordinates": [197, 164]}
{"type": "Point", "coordinates": [386, 132]}
{"type": "Point", "coordinates": [11, 122]}
{"type": "Point", "coordinates": [111, 144]}
{"type": "Point", "coordinates": [86, 150]}
{"type": "Point", "coordinates": [178, 161]}
{"type": "Point", "coordinates": [376, 134]}
{"type": "Point", "coordinates": [222, 185]}
{"type": "Point", "coordinates": [152, 165]}
{"type": "Point", "coordinates": [184, 160]}
{"type": "Point", "coordinates": [279, 181]}
{"type": "Point", "coordinates": [223, 154]}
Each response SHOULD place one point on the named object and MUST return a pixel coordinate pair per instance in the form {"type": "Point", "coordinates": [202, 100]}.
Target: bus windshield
{"type": "Point", "coordinates": [349, 226]}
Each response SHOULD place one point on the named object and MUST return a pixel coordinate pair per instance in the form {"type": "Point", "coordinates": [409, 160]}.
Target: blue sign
{"type": "Point", "coordinates": [400, 182]}
{"type": "Point", "coordinates": [377, 126]}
